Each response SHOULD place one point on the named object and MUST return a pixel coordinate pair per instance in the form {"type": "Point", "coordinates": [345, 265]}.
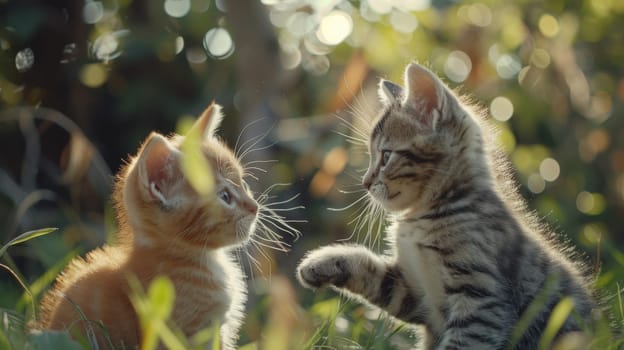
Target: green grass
{"type": "Point", "coordinates": [282, 321]}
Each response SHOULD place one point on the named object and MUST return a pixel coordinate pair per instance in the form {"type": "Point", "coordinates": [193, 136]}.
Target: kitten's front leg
{"type": "Point", "coordinates": [359, 271]}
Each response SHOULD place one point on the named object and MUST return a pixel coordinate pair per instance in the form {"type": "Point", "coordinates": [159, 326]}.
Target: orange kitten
{"type": "Point", "coordinates": [166, 228]}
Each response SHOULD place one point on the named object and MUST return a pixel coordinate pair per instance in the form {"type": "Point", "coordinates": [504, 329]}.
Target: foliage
{"type": "Point", "coordinates": [83, 82]}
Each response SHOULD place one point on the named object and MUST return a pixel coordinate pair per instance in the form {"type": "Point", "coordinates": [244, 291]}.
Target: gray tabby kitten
{"type": "Point", "coordinates": [466, 260]}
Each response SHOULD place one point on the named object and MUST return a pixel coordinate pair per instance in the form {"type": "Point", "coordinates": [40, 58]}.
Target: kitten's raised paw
{"type": "Point", "coordinates": [323, 267]}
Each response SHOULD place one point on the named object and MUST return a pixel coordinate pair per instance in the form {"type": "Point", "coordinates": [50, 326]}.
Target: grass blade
{"type": "Point", "coordinates": [555, 322]}
{"type": "Point", "coordinates": [26, 236]}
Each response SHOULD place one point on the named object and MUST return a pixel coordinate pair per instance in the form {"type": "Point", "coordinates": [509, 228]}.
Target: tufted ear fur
{"type": "Point", "coordinates": [389, 92]}
{"type": "Point", "coordinates": [209, 121]}
{"type": "Point", "coordinates": [425, 94]}
{"type": "Point", "coordinates": [158, 170]}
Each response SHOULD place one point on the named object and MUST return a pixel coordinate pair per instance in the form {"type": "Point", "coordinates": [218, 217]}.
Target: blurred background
{"type": "Point", "coordinates": [83, 82]}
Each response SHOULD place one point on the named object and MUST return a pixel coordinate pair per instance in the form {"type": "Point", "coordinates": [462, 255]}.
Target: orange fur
{"type": "Point", "coordinates": [165, 228]}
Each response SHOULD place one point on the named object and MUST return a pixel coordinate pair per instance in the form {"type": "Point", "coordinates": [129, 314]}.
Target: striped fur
{"type": "Point", "coordinates": [165, 228]}
{"type": "Point", "coordinates": [466, 259]}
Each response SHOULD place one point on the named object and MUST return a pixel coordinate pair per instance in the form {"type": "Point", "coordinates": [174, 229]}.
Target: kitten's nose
{"type": "Point", "coordinates": [250, 206]}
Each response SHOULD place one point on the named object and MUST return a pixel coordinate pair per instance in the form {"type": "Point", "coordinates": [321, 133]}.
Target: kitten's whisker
{"type": "Point", "coordinates": [251, 175]}
{"type": "Point", "coordinates": [361, 190]}
{"type": "Point", "coordinates": [262, 252]}
{"type": "Point", "coordinates": [288, 209]}
{"type": "Point", "coordinates": [268, 205]}
{"type": "Point", "coordinates": [252, 261]}
{"type": "Point", "coordinates": [281, 225]}
{"type": "Point", "coordinates": [251, 150]}
{"type": "Point", "coordinates": [272, 187]}
{"type": "Point", "coordinates": [352, 139]}
{"type": "Point", "coordinates": [273, 241]}
{"type": "Point", "coordinates": [253, 143]}
{"type": "Point", "coordinates": [243, 131]}
{"type": "Point", "coordinates": [357, 189]}
{"type": "Point", "coordinates": [261, 245]}
{"type": "Point", "coordinates": [260, 161]}
{"type": "Point", "coordinates": [363, 134]}
{"type": "Point", "coordinates": [256, 168]}
{"type": "Point", "coordinates": [273, 244]}
{"type": "Point", "coordinates": [363, 197]}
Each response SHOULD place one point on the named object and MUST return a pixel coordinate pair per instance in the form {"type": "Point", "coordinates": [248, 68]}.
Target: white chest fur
{"type": "Point", "coordinates": [422, 269]}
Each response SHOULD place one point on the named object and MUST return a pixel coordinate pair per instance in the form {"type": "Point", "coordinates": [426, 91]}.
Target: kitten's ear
{"type": "Point", "coordinates": [389, 92]}
{"type": "Point", "coordinates": [424, 94]}
{"type": "Point", "coordinates": [209, 121]}
{"type": "Point", "coordinates": [157, 168]}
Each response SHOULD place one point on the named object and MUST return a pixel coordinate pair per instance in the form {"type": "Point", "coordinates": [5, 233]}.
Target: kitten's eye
{"type": "Point", "coordinates": [225, 196]}
{"type": "Point", "coordinates": [385, 156]}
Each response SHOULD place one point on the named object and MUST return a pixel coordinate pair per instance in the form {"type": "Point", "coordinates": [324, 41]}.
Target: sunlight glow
{"type": "Point", "coordinates": [549, 169]}
{"type": "Point", "coordinates": [540, 58]}
{"type": "Point", "coordinates": [177, 8]}
{"type": "Point", "coordinates": [458, 66]}
{"type": "Point", "coordinates": [93, 75]}
{"type": "Point", "coordinates": [403, 22]}
{"type": "Point", "coordinates": [548, 25]}
{"type": "Point", "coordinates": [507, 66]}
{"type": "Point", "coordinates": [107, 47]}
{"type": "Point", "coordinates": [501, 108]}
{"type": "Point", "coordinates": [92, 12]}
{"type": "Point", "coordinates": [179, 44]}
{"type": "Point", "coordinates": [536, 183]}
{"type": "Point", "coordinates": [590, 203]}
{"type": "Point", "coordinates": [335, 27]}
{"type": "Point", "coordinates": [218, 43]}
{"type": "Point", "coordinates": [480, 15]}
{"type": "Point", "coordinates": [380, 6]}
{"type": "Point", "coordinates": [24, 59]}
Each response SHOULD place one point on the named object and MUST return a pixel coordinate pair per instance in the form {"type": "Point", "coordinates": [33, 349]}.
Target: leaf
{"type": "Point", "coordinates": [194, 164]}
{"type": "Point", "coordinates": [154, 310]}
{"type": "Point", "coordinates": [557, 319]}
{"type": "Point", "coordinates": [326, 309]}
{"type": "Point", "coordinates": [26, 236]}
{"type": "Point", "coordinates": [161, 296]}
{"type": "Point", "coordinates": [4, 341]}
{"type": "Point", "coordinates": [53, 340]}
{"type": "Point", "coordinates": [532, 311]}
{"type": "Point", "coordinates": [80, 154]}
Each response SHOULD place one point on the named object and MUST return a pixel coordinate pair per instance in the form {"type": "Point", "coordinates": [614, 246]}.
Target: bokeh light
{"type": "Point", "coordinates": [548, 25]}
{"type": "Point", "coordinates": [403, 22]}
{"type": "Point", "coordinates": [177, 8]}
{"type": "Point", "coordinates": [24, 59]}
{"type": "Point", "coordinates": [107, 47]}
{"type": "Point", "coordinates": [335, 27]}
{"type": "Point", "coordinates": [507, 66]}
{"type": "Point", "coordinates": [590, 203]}
{"type": "Point", "coordinates": [380, 6]}
{"type": "Point", "coordinates": [179, 44]}
{"type": "Point", "coordinates": [549, 169]}
{"type": "Point", "coordinates": [536, 183]}
{"type": "Point", "coordinates": [92, 12]}
{"type": "Point", "coordinates": [93, 75]}
{"type": "Point", "coordinates": [218, 43]}
{"type": "Point", "coordinates": [540, 58]}
{"type": "Point", "coordinates": [547, 73]}
{"type": "Point", "coordinates": [501, 108]}
{"type": "Point", "coordinates": [457, 66]}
